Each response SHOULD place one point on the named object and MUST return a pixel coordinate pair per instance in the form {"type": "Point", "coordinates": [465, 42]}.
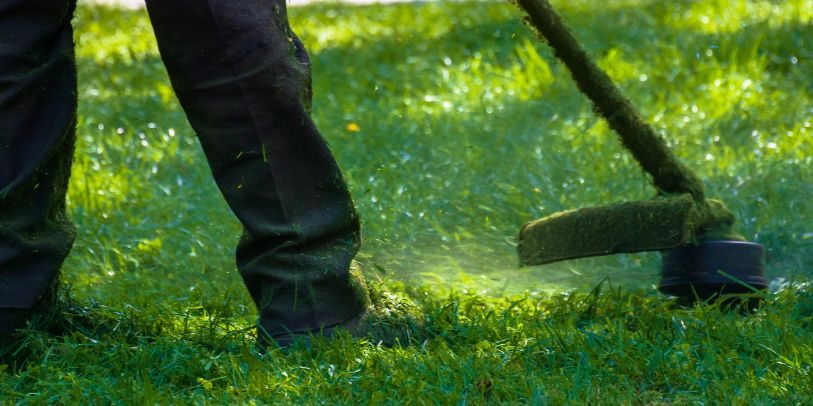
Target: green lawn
{"type": "Point", "coordinates": [454, 126]}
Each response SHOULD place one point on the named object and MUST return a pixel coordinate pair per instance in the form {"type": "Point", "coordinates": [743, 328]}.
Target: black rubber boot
{"type": "Point", "coordinates": [388, 319]}
{"type": "Point", "coordinates": [11, 320]}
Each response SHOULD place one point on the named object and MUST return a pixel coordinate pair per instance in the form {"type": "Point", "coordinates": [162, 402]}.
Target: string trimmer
{"type": "Point", "coordinates": [702, 254]}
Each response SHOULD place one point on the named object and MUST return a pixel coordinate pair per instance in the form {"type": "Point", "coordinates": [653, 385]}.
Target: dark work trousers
{"type": "Point", "coordinates": [243, 79]}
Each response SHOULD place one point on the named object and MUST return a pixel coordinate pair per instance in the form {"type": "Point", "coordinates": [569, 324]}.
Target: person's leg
{"type": "Point", "coordinates": [37, 131]}
{"type": "Point", "coordinates": [242, 78]}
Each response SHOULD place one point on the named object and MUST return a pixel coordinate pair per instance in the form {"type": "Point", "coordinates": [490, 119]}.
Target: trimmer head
{"type": "Point", "coordinates": [713, 268]}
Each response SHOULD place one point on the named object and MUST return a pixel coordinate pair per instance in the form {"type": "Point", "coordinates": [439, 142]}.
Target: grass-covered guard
{"type": "Point", "coordinates": [650, 225]}
{"type": "Point", "coordinates": [453, 125]}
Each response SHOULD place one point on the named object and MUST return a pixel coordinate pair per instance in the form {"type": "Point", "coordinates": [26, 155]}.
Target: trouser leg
{"type": "Point", "coordinates": [37, 131]}
{"type": "Point", "coordinates": [242, 78]}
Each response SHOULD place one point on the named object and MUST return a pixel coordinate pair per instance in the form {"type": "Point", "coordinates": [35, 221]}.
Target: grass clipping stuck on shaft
{"type": "Point", "coordinates": [681, 215]}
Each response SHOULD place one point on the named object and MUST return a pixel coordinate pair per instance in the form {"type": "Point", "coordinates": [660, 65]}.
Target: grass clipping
{"type": "Point", "coordinates": [680, 216]}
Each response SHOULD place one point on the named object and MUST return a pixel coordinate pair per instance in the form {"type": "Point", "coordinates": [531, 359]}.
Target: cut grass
{"type": "Point", "coordinates": [608, 347]}
{"type": "Point", "coordinates": [453, 129]}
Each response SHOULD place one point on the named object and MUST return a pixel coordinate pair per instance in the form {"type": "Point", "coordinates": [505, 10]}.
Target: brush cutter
{"type": "Point", "coordinates": [702, 254]}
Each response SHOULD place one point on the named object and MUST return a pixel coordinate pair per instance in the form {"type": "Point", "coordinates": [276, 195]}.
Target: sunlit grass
{"type": "Point", "coordinates": [454, 126]}
{"type": "Point", "coordinates": [459, 132]}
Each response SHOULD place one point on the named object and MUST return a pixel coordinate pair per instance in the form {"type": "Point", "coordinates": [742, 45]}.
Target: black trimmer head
{"type": "Point", "coordinates": [713, 269]}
